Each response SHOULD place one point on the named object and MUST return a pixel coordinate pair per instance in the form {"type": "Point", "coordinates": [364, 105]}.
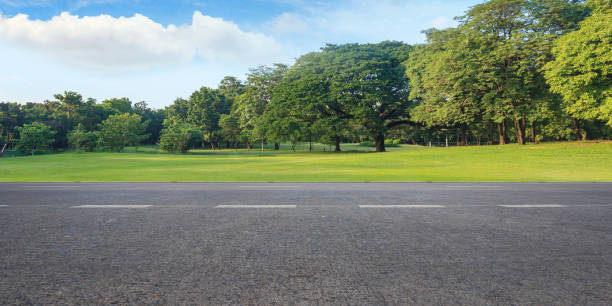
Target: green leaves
{"type": "Point", "coordinates": [34, 137]}
{"type": "Point", "coordinates": [119, 131]}
{"type": "Point", "coordinates": [582, 70]}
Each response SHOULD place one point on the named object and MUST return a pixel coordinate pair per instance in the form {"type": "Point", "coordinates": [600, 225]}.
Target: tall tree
{"type": "Point", "coordinates": [369, 82]}
{"type": "Point", "coordinates": [582, 70]}
{"type": "Point", "coordinates": [254, 102]}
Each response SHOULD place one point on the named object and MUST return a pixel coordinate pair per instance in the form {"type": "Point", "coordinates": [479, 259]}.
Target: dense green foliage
{"type": "Point", "coordinates": [177, 137]}
{"type": "Point", "coordinates": [80, 139]}
{"type": "Point", "coordinates": [511, 71]}
{"type": "Point", "coordinates": [122, 130]}
{"type": "Point", "coordinates": [582, 70]}
{"type": "Point", "coordinates": [35, 137]}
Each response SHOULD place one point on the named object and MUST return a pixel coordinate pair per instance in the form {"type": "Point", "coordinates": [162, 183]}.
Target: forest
{"type": "Point", "coordinates": [511, 71]}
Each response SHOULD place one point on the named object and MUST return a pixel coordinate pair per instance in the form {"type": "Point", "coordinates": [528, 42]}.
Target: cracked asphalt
{"type": "Point", "coordinates": [177, 243]}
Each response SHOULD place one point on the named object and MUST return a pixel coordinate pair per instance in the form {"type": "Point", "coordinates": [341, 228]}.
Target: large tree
{"type": "Point", "coordinates": [582, 70]}
{"type": "Point", "coordinates": [254, 102]}
{"type": "Point", "coordinates": [369, 82]}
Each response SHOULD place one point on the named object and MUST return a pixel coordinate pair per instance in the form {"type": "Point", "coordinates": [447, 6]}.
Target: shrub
{"type": "Point", "coordinates": [119, 131]}
{"type": "Point", "coordinates": [35, 137]}
{"type": "Point", "coordinates": [176, 137]}
{"type": "Point", "coordinates": [80, 139]}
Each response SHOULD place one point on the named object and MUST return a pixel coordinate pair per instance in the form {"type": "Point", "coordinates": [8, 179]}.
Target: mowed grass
{"type": "Point", "coordinates": [573, 161]}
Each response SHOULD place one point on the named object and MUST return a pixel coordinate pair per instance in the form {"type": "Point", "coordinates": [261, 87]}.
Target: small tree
{"type": "Point", "coordinates": [122, 130]}
{"type": "Point", "coordinates": [35, 137]}
{"type": "Point", "coordinates": [176, 137]}
{"type": "Point", "coordinates": [230, 128]}
{"type": "Point", "coordinates": [80, 139]}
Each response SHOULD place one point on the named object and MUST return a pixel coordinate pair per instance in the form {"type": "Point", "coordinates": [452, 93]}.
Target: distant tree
{"type": "Point", "coordinates": [118, 105]}
{"type": "Point", "coordinates": [254, 102]}
{"type": "Point", "coordinates": [34, 137]}
{"type": "Point", "coordinates": [230, 128]}
{"type": "Point", "coordinates": [70, 101]}
{"type": "Point", "coordinates": [122, 130]}
{"type": "Point", "coordinates": [582, 69]}
{"type": "Point", "coordinates": [176, 137]}
{"type": "Point", "coordinates": [80, 139]}
{"type": "Point", "coordinates": [154, 116]}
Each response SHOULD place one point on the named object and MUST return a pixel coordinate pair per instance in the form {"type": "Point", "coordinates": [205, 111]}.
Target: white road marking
{"type": "Point", "coordinates": [256, 206]}
{"type": "Point", "coordinates": [473, 186]}
{"type": "Point", "coordinates": [112, 206]}
{"type": "Point", "coordinates": [3, 205]}
{"type": "Point", "coordinates": [533, 206]}
{"type": "Point", "coordinates": [402, 206]}
{"type": "Point", "coordinates": [52, 186]}
{"type": "Point", "coordinates": [266, 186]}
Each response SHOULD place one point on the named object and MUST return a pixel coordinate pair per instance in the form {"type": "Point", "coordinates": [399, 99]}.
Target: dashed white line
{"type": "Point", "coordinates": [265, 186]}
{"type": "Point", "coordinates": [534, 206]}
{"type": "Point", "coordinates": [473, 186]}
{"type": "Point", "coordinates": [3, 205]}
{"type": "Point", "coordinates": [112, 206]}
{"type": "Point", "coordinates": [402, 206]}
{"type": "Point", "coordinates": [256, 206]}
{"type": "Point", "coordinates": [52, 186]}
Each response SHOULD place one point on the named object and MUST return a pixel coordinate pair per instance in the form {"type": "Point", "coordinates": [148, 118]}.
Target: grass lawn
{"type": "Point", "coordinates": [572, 161]}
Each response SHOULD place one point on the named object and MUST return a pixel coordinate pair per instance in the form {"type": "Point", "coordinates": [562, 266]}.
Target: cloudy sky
{"type": "Point", "coordinates": [157, 51]}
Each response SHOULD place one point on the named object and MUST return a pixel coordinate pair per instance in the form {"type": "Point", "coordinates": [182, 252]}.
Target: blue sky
{"type": "Point", "coordinates": [157, 51]}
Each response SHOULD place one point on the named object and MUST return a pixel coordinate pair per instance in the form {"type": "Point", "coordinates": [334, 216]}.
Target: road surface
{"type": "Point", "coordinates": [306, 243]}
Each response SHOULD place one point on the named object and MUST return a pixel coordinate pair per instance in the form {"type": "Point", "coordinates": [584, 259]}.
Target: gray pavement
{"type": "Point", "coordinates": [306, 243]}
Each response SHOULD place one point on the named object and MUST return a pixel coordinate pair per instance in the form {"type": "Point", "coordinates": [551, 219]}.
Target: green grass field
{"type": "Point", "coordinates": [574, 161]}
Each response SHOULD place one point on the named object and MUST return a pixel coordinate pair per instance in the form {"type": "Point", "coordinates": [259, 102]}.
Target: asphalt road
{"type": "Point", "coordinates": [271, 243]}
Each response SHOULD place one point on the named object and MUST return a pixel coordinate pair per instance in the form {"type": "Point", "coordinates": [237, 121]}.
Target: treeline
{"type": "Point", "coordinates": [511, 71]}
{"type": "Point", "coordinates": [71, 121]}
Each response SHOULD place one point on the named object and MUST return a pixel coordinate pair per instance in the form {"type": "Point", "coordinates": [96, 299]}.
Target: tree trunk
{"type": "Point", "coordinates": [337, 144]}
{"type": "Point", "coordinates": [584, 135]}
{"type": "Point", "coordinates": [577, 128]}
{"type": "Point", "coordinates": [3, 148]}
{"type": "Point", "coordinates": [276, 146]}
{"type": "Point", "coordinates": [501, 129]}
{"type": "Point", "coordinates": [533, 135]}
{"type": "Point", "coordinates": [465, 135]}
{"type": "Point", "coordinates": [519, 131]}
{"type": "Point", "coordinates": [458, 138]}
{"type": "Point", "coordinates": [446, 144]}
{"type": "Point", "coordinates": [236, 145]}
{"type": "Point", "coordinates": [262, 145]}
{"type": "Point", "coordinates": [212, 145]}
{"type": "Point", "coordinates": [379, 141]}
{"type": "Point", "coordinates": [249, 146]}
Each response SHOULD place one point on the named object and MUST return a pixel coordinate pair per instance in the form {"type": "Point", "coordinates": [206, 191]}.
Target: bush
{"type": "Point", "coordinates": [176, 137]}
{"type": "Point", "coordinates": [35, 138]}
{"type": "Point", "coordinates": [119, 131]}
{"type": "Point", "coordinates": [81, 140]}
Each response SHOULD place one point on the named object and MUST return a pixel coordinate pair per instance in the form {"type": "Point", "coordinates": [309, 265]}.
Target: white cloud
{"type": "Point", "coordinates": [442, 23]}
{"type": "Point", "coordinates": [287, 23]}
{"type": "Point", "coordinates": [134, 42]}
